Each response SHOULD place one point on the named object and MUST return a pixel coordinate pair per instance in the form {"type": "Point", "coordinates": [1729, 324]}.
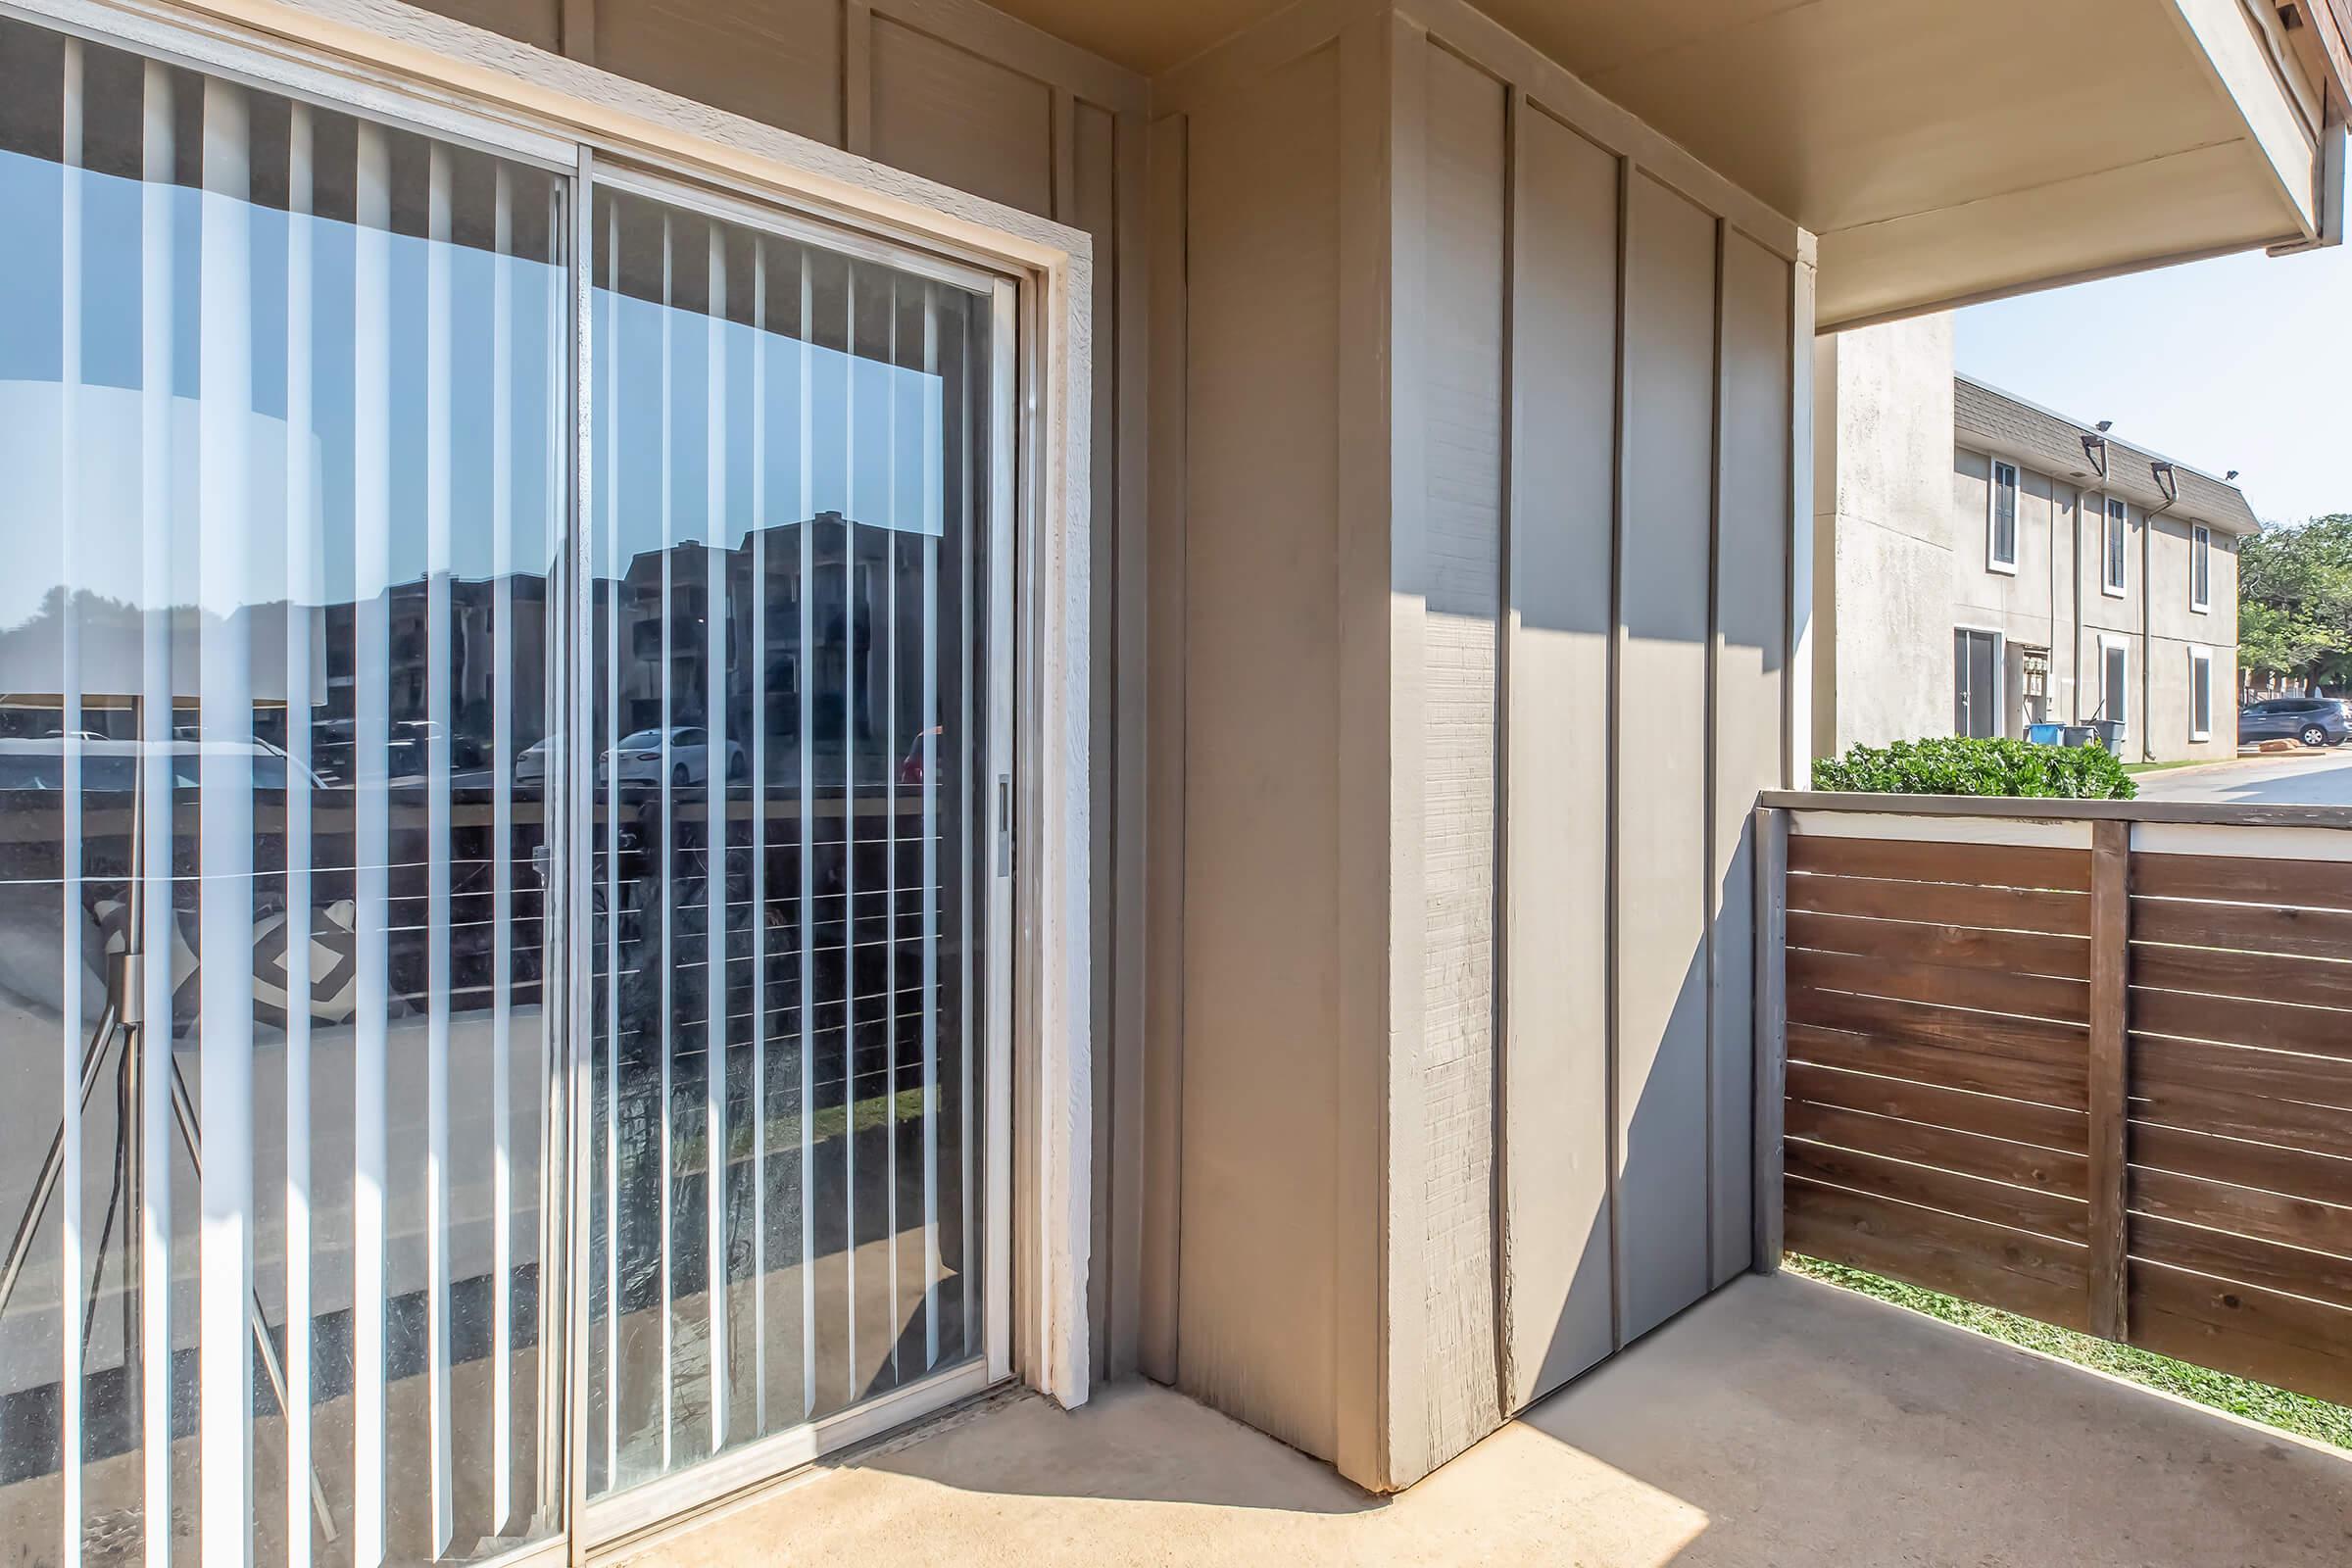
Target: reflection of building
{"type": "Point", "coordinates": [859, 611]}
{"type": "Point", "coordinates": [1987, 565]}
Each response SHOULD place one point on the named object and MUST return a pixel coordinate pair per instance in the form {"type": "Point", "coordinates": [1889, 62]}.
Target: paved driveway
{"type": "Point", "coordinates": [2321, 778]}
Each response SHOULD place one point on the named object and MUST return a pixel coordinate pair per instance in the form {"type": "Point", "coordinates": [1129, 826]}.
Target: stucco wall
{"type": "Point", "coordinates": [1901, 520]}
{"type": "Point", "coordinates": [1883, 489]}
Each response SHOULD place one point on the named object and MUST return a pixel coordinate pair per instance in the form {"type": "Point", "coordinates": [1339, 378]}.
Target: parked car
{"type": "Point", "coordinates": [637, 760]}
{"type": "Point", "coordinates": [2312, 721]}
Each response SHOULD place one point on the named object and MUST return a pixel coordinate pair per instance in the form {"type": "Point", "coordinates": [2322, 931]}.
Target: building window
{"type": "Point", "coordinates": [2200, 568]}
{"type": "Point", "coordinates": [2000, 520]}
{"type": "Point", "coordinates": [2115, 683]}
{"type": "Point", "coordinates": [2200, 692]}
{"type": "Point", "coordinates": [2111, 546]}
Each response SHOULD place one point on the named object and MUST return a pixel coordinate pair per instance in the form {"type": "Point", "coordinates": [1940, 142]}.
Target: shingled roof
{"type": "Point", "coordinates": [2051, 443]}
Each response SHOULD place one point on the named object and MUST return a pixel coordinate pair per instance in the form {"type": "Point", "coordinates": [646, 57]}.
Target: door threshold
{"type": "Point", "coordinates": [615, 1524]}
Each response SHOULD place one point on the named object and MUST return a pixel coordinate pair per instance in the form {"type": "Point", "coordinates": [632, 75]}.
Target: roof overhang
{"type": "Point", "coordinates": [1943, 150]}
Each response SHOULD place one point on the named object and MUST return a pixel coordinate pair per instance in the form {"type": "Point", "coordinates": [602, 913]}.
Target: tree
{"type": "Point", "coordinates": [2294, 601]}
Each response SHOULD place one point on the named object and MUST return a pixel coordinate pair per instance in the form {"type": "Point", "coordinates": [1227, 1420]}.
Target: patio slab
{"type": "Point", "coordinates": [1780, 1422]}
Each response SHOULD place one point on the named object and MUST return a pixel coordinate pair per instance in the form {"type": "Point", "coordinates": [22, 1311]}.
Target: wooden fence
{"type": "Point", "coordinates": [2090, 1063]}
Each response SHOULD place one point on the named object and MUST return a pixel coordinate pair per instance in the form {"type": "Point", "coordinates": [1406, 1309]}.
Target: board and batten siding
{"type": "Point", "coordinates": [962, 94]}
{"type": "Point", "coordinates": [1481, 618]}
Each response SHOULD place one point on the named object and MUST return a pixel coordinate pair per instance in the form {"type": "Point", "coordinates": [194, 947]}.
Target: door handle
{"type": "Point", "coordinates": [1004, 824]}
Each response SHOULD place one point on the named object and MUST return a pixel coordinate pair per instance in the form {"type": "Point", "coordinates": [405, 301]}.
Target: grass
{"type": "Point", "coordinates": [2299, 1413]}
{"type": "Point", "coordinates": [2159, 767]}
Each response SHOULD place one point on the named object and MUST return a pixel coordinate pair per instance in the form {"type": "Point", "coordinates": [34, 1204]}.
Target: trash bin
{"type": "Point", "coordinates": [2045, 734]}
{"type": "Point", "coordinates": [2082, 735]}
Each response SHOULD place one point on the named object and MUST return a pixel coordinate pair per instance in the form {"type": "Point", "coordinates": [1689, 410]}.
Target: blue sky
{"type": "Point", "coordinates": [2242, 362]}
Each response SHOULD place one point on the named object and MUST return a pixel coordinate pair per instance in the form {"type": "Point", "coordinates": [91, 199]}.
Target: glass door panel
{"type": "Point", "coordinates": [281, 411]}
{"type": "Point", "coordinates": [791, 688]}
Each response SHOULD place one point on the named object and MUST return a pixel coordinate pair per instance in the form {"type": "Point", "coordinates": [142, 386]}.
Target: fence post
{"type": "Point", "coordinates": [2107, 1274]}
{"type": "Point", "coordinates": [1770, 1030]}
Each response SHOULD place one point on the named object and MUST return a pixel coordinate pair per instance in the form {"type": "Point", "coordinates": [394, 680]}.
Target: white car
{"type": "Point", "coordinates": [638, 760]}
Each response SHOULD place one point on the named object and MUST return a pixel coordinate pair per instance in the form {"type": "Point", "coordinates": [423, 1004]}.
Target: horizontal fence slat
{"type": "Point", "coordinates": [2263, 976]}
{"type": "Point", "coordinates": [2272, 1265]}
{"type": "Point", "coordinates": [2034, 996]}
{"type": "Point", "coordinates": [2313, 1129]}
{"type": "Point", "coordinates": [2247, 1210]}
{"type": "Point", "coordinates": [2235, 1069]}
{"type": "Point", "coordinates": [2267, 1166]}
{"type": "Point", "coordinates": [2045, 1083]}
{"type": "Point", "coordinates": [2231, 1020]}
{"type": "Point", "coordinates": [2270, 1338]}
{"type": "Point", "coordinates": [2066, 915]}
{"type": "Point", "coordinates": [1997, 1160]}
{"type": "Point", "coordinates": [2008, 865]}
{"type": "Point", "coordinates": [2037, 1276]}
{"type": "Point", "coordinates": [2254, 928]}
{"type": "Point", "coordinates": [1956, 946]}
{"type": "Point", "coordinates": [1950, 1192]}
{"type": "Point", "coordinates": [2244, 880]}
{"type": "Point", "coordinates": [1991, 1117]}
{"type": "Point", "coordinates": [1928, 1024]}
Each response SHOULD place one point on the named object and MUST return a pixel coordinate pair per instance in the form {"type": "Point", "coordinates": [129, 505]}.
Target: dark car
{"type": "Point", "coordinates": [2312, 721]}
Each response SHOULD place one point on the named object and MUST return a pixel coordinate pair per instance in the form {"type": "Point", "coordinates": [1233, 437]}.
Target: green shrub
{"type": "Point", "coordinates": [1958, 765]}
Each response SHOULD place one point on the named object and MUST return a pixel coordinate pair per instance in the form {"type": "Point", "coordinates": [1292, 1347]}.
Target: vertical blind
{"type": "Point", "coordinates": [789, 610]}
{"type": "Point", "coordinates": [282, 393]}
{"type": "Point", "coordinates": [287, 650]}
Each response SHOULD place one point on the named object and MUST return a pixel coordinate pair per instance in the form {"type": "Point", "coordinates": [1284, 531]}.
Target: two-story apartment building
{"type": "Point", "coordinates": [1987, 564]}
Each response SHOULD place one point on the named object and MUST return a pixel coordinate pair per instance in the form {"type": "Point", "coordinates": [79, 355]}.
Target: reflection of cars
{"type": "Point", "coordinates": [112, 766]}
{"type": "Point", "coordinates": [638, 758]}
{"type": "Point", "coordinates": [531, 766]}
{"type": "Point", "coordinates": [2312, 721]}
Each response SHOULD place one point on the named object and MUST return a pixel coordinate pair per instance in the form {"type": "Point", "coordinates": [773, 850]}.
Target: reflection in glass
{"type": "Point", "coordinates": [279, 403]}
{"type": "Point", "coordinates": [788, 589]}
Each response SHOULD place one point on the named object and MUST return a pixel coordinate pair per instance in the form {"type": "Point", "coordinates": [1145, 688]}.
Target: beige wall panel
{"type": "Point", "coordinates": [1261, 867]}
{"type": "Point", "coordinates": [1750, 653]}
{"type": "Point", "coordinates": [1163, 924]}
{"type": "Point", "coordinates": [537, 23]}
{"type": "Point", "coordinates": [1459, 554]}
{"type": "Point", "coordinates": [1095, 208]}
{"type": "Point", "coordinates": [1662, 874]}
{"type": "Point", "coordinates": [953, 117]}
{"type": "Point", "coordinates": [777, 61]}
{"type": "Point", "coordinates": [1555, 1060]}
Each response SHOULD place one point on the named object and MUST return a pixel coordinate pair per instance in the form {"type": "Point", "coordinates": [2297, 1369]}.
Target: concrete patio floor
{"type": "Point", "coordinates": [1781, 1422]}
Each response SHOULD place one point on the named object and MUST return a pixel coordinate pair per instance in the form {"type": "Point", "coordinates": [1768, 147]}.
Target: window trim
{"type": "Point", "coordinates": [2200, 656]}
{"type": "Point", "coordinates": [2118, 584]}
{"type": "Point", "coordinates": [2200, 556]}
{"type": "Point", "coordinates": [1994, 561]}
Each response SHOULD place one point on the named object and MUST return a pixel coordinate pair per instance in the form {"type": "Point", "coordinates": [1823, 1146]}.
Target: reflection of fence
{"type": "Point", "coordinates": [2089, 1061]}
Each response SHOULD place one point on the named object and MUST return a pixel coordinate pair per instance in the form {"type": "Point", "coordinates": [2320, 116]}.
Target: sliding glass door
{"type": "Point", "coordinates": [792, 727]}
{"type": "Point", "coordinates": [493, 904]}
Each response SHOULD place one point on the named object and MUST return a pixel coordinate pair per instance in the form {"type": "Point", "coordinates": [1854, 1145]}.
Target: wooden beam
{"type": "Point", "coordinates": [2109, 1279]}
